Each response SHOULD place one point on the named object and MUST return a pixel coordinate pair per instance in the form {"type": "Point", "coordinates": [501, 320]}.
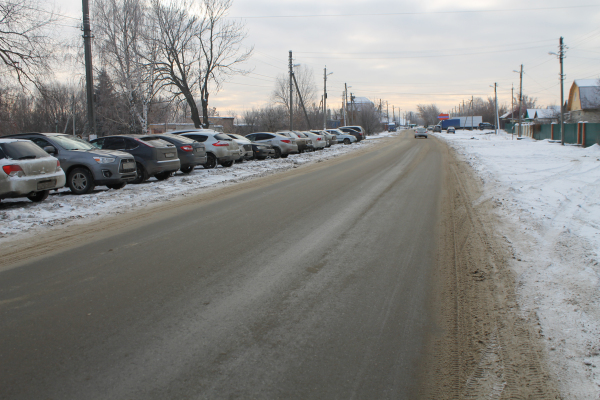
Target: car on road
{"type": "Point", "coordinates": [220, 148]}
{"type": "Point", "coordinates": [84, 164]}
{"type": "Point", "coordinates": [282, 145]}
{"type": "Point", "coordinates": [28, 171]}
{"type": "Point", "coordinates": [420, 132]}
{"type": "Point", "coordinates": [437, 128]}
{"type": "Point", "coordinates": [485, 125]}
{"type": "Point", "coordinates": [359, 136]}
{"type": "Point", "coordinates": [343, 137]}
{"type": "Point", "coordinates": [190, 152]}
{"type": "Point", "coordinates": [451, 129]}
{"type": "Point", "coordinates": [153, 156]}
{"type": "Point", "coordinates": [430, 128]}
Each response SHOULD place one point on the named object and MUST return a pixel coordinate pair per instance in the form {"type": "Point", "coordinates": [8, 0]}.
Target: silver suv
{"type": "Point", "coordinates": [343, 137]}
{"type": "Point", "coordinates": [220, 148]}
{"type": "Point", "coordinates": [283, 145]}
{"type": "Point", "coordinates": [84, 164]}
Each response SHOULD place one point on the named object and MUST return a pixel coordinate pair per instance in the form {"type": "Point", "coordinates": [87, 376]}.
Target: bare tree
{"type": "Point", "coordinates": [177, 31]}
{"type": "Point", "coordinates": [370, 119]}
{"type": "Point", "coordinates": [429, 113]}
{"type": "Point", "coordinates": [129, 53]}
{"type": "Point", "coordinates": [221, 49]}
{"type": "Point", "coordinates": [25, 47]}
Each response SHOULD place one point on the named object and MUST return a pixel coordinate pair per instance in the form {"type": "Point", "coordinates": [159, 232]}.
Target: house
{"type": "Point", "coordinates": [584, 101]}
{"type": "Point", "coordinates": [543, 115]}
{"type": "Point", "coordinates": [221, 124]}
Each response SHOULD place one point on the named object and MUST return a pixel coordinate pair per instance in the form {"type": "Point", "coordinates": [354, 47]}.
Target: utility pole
{"type": "Point", "coordinates": [472, 111]}
{"type": "Point", "coordinates": [512, 111]}
{"type": "Point", "coordinates": [561, 56]}
{"type": "Point", "coordinates": [520, 97]}
{"type": "Point", "coordinates": [73, 112]}
{"type": "Point", "coordinates": [387, 111]}
{"type": "Point", "coordinates": [346, 104]}
{"type": "Point", "coordinates": [291, 93]}
{"type": "Point", "coordinates": [496, 106]}
{"type": "Point", "coordinates": [89, 77]}
{"type": "Point", "coordinates": [325, 97]}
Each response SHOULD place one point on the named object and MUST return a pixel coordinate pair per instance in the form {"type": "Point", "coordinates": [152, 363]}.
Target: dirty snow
{"type": "Point", "coordinates": [20, 217]}
{"type": "Point", "coordinates": [548, 198]}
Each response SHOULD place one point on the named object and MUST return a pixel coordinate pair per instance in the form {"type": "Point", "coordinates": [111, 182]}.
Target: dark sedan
{"type": "Point", "coordinates": [189, 151]}
{"type": "Point", "coordinates": [153, 156]}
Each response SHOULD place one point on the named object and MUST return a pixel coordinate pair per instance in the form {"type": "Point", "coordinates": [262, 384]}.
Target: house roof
{"type": "Point", "coordinates": [589, 94]}
{"type": "Point", "coordinates": [553, 112]}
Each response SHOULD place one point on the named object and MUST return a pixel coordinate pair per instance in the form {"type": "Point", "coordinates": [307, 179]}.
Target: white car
{"type": "Point", "coordinates": [451, 129]}
{"type": "Point", "coordinates": [245, 145]}
{"type": "Point", "coordinates": [319, 142]}
{"type": "Point", "coordinates": [343, 137]}
{"type": "Point", "coordinates": [28, 171]}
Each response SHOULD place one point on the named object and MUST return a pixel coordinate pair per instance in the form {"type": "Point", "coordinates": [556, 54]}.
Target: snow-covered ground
{"type": "Point", "coordinates": [548, 198]}
{"type": "Point", "coordinates": [20, 217]}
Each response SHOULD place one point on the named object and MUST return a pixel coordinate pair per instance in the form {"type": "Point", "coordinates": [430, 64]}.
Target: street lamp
{"type": "Point", "coordinates": [561, 56]}
{"type": "Point", "coordinates": [520, 96]}
{"type": "Point", "coordinates": [497, 120]}
{"type": "Point", "coordinates": [325, 75]}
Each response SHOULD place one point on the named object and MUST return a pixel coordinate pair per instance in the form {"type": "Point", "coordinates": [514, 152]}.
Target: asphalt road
{"type": "Point", "coordinates": [313, 284]}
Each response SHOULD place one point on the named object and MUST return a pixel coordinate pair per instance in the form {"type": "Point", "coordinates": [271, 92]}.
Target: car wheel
{"type": "Point", "coordinates": [39, 196]}
{"type": "Point", "coordinates": [277, 152]}
{"type": "Point", "coordinates": [346, 141]}
{"type": "Point", "coordinates": [116, 186]}
{"type": "Point", "coordinates": [163, 175]}
{"type": "Point", "coordinates": [187, 169]}
{"type": "Point", "coordinates": [142, 175]}
{"type": "Point", "coordinates": [241, 160]}
{"type": "Point", "coordinates": [81, 181]}
{"type": "Point", "coordinates": [261, 158]}
{"type": "Point", "coordinates": [211, 161]}
{"type": "Point", "coordinates": [227, 164]}
{"type": "Point", "coordinates": [284, 155]}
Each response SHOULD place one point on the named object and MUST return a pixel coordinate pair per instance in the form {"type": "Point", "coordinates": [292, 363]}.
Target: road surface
{"type": "Point", "coordinates": [323, 282]}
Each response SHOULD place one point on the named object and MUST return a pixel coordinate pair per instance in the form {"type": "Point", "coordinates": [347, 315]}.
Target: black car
{"type": "Point", "coordinates": [261, 151]}
{"type": "Point", "coordinates": [153, 156]}
{"type": "Point", "coordinates": [485, 125]}
{"type": "Point", "coordinates": [189, 151]}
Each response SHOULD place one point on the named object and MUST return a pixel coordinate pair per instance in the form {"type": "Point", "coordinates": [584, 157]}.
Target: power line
{"type": "Point", "coordinates": [414, 13]}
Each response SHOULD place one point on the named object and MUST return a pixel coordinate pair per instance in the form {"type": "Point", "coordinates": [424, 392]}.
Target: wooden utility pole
{"type": "Point", "coordinates": [89, 77]}
{"type": "Point", "coordinates": [520, 97]}
{"type": "Point", "coordinates": [291, 93]}
{"type": "Point", "coordinates": [561, 54]}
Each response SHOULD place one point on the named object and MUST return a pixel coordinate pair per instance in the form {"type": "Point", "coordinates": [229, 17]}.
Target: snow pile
{"type": "Point", "coordinates": [548, 197]}
{"type": "Point", "coordinates": [19, 216]}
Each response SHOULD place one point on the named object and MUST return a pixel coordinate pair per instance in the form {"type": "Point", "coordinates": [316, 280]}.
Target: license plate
{"type": "Point", "coordinates": [42, 185]}
{"type": "Point", "coordinates": [128, 165]}
{"type": "Point", "coordinates": [169, 155]}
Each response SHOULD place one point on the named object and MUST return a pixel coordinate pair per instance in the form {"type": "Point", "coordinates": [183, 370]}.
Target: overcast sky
{"type": "Point", "coordinates": [408, 52]}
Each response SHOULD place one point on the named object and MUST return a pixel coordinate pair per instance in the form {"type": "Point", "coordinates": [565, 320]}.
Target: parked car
{"type": "Point", "coordinates": [310, 146]}
{"type": "Point", "coordinates": [189, 151]}
{"type": "Point", "coordinates": [244, 143]}
{"type": "Point", "coordinates": [153, 156]}
{"type": "Point", "coordinates": [356, 128]}
{"type": "Point", "coordinates": [420, 132]}
{"type": "Point", "coordinates": [351, 131]}
{"type": "Point", "coordinates": [84, 164]}
{"type": "Point", "coordinates": [282, 145]}
{"type": "Point", "coordinates": [437, 128]}
{"type": "Point", "coordinates": [28, 171]}
{"type": "Point", "coordinates": [303, 143]}
{"type": "Point", "coordinates": [220, 148]}
{"type": "Point", "coordinates": [319, 141]}
{"type": "Point", "coordinates": [485, 125]}
{"type": "Point", "coordinates": [262, 150]}
{"type": "Point", "coordinates": [343, 137]}
{"type": "Point", "coordinates": [329, 137]}
{"type": "Point", "coordinates": [451, 129]}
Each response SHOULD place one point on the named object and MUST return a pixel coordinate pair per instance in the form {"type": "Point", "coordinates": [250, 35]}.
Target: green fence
{"type": "Point", "coordinates": [541, 132]}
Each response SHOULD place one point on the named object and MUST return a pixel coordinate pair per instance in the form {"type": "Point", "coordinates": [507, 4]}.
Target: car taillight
{"type": "Point", "coordinates": [144, 143]}
{"type": "Point", "coordinates": [57, 165]}
{"type": "Point", "coordinates": [13, 170]}
{"type": "Point", "coordinates": [187, 147]}
{"type": "Point", "coordinates": [285, 140]}
{"type": "Point", "coordinates": [318, 138]}
{"type": "Point", "coordinates": [219, 143]}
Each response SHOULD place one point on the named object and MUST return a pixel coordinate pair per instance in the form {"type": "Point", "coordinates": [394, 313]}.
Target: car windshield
{"type": "Point", "coordinates": [72, 143]}
{"type": "Point", "coordinates": [22, 150]}
{"type": "Point", "coordinates": [180, 139]}
{"type": "Point", "coordinates": [222, 136]}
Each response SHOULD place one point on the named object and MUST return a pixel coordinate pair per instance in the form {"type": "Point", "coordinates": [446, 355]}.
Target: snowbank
{"type": "Point", "coordinates": [548, 197]}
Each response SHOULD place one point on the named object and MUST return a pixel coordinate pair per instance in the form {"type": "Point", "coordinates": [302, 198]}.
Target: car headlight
{"type": "Point", "coordinates": [104, 160]}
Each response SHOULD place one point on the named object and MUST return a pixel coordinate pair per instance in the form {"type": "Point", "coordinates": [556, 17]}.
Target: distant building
{"type": "Point", "coordinates": [584, 101]}
{"type": "Point", "coordinates": [221, 124]}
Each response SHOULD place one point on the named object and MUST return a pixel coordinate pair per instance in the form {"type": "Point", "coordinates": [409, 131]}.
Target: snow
{"type": "Point", "coordinates": [20, 217]}
{"type": "Point", "coordinates": [548, 199]}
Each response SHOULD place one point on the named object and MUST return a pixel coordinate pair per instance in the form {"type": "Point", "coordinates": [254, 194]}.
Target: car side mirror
{"type": "Point", "coordinates": [50, 149]}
